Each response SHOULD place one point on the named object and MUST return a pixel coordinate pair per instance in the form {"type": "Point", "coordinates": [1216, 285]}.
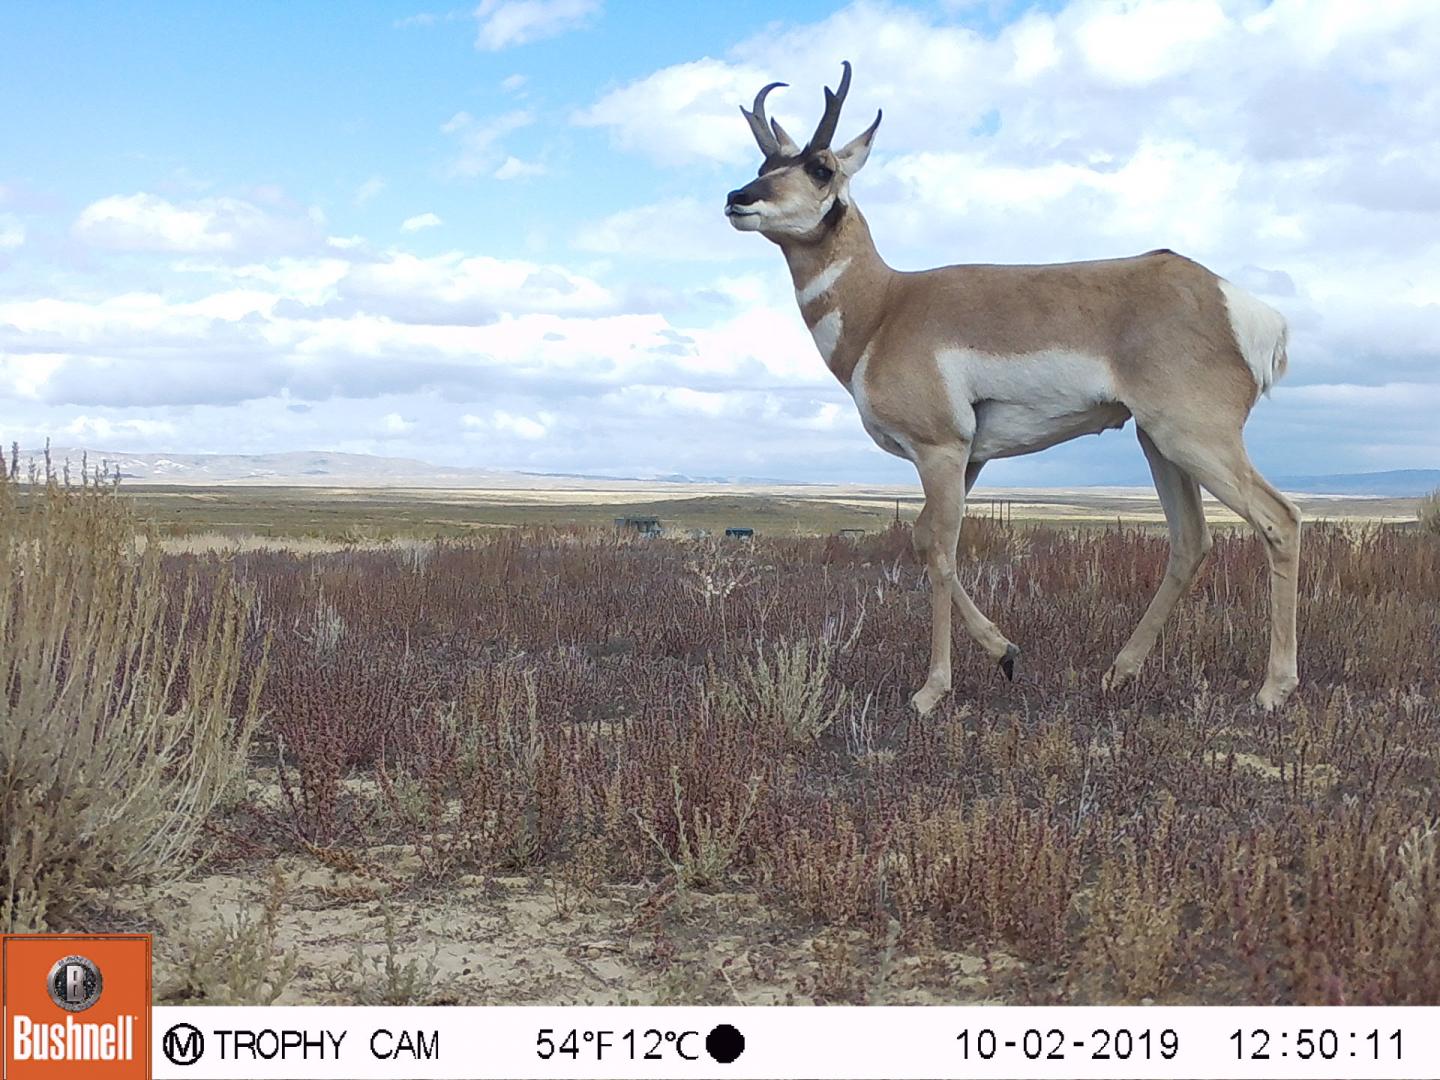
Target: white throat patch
{"type": "Point", "coordinates": [826, 333]}
{"type": "Point", "coordinates": [821, 282]}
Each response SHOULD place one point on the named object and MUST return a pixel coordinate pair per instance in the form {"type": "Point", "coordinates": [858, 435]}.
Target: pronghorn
{"type": "Point", "coordinates": [952, 367]}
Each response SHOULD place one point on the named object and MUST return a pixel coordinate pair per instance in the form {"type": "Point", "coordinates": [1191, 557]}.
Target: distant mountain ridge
{"type": "Point", "coordinates": [1396, 483]}
{"type": "Point", "coordinates": [290, 467]}
{"type": "Point", "coordinates": [325, 468]}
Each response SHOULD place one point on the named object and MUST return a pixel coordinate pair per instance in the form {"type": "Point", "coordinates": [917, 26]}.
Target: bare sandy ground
{"type": "Point", "coordinates": [517, 941]}
{"type": "Point", "coordinates": [523, 939]}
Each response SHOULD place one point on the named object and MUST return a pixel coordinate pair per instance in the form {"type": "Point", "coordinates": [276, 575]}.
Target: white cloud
{"type": "Point", "coordinates": [27, 373]}
{"type": "Point", "coordinates": [1138, 43]}
{"type": "Point", "coordinates": [670, 401]}
{"type": "Point", "coordinates": [682, 113]}
{"type": "Point", "coordinates": [1036, 48]}
{"type": "Point", "coordinates": [149, 222]}
{"type": "Point", "coordinates": [935, 81]}
{"type": "Point", "coordinates": [420, 221]}
{"type": "Point", "coordinates": [125, 318]}
{"type": "Point", "coordinates": [512, 168]}
{"type": "Point", "coordinates": [393, 424]}
{"type": "Point", "coordinates": [523, 426]}
{"type": "Point", "coordinates": [506, 423]}
{"type": "Point", "coordinates": [504, 23]}
{"type": "Point", "coordinates": [479, 140]}
{"type": "Point", "coordinates": [144, 222]}
{"type": "Point", "coordinates": [469, 289]}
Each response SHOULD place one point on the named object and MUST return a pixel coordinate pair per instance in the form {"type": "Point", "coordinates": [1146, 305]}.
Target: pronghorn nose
{"type": "Point", "coordinates": [741, 197]}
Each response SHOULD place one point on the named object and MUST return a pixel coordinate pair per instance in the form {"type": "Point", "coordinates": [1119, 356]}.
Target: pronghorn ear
{"type": "Point", "coordinates": [853, 154]}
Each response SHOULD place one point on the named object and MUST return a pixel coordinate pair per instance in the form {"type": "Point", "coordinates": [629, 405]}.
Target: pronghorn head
{"type": "Point", "coordinates": [799, 188]}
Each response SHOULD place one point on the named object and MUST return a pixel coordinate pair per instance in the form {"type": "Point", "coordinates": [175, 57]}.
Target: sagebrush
{"type": "Point", "coordinates": [124, 719]}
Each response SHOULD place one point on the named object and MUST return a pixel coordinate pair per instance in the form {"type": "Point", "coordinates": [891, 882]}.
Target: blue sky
{"type": "Point", "coordinates": [491, 235]}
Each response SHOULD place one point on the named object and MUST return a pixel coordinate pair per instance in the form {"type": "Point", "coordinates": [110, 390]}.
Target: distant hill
{"type": "Point", "coordinates": [299, 468]}
{"type": "Point", "coordinates": [323, 468]}
{"type": "Point", "coordinates": [1396, 483]}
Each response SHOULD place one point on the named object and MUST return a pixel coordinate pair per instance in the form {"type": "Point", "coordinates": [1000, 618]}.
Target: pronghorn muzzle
{"type": "Point", "coordinates": [739, 201]}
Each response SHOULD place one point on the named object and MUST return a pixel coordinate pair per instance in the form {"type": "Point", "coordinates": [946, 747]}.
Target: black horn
{"type": "Point", "coordinates": [833, 102]}
{"type": "Point", "coordinates": [759, 125]}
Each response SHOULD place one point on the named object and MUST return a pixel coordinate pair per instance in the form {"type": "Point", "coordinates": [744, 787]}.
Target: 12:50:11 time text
{"type": "Point", "coordinates": [1329, 1044]}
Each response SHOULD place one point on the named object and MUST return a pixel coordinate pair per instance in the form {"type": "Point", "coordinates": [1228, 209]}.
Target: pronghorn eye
{"type": "Point", "coordinates": [820, 172]}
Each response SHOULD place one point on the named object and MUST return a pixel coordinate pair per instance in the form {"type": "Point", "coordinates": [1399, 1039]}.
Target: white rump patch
{"type": "Point", "coordinates": [821, 282]}
{"type": "Point", "coordinates": [1260, 334]}
{"type": "Point", "coordinates": [826, 333]}
{"type": "Point", "coordinates": [1025, 403]}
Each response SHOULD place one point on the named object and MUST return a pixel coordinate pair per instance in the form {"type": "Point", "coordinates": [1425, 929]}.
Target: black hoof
{"type": "Point", "coordinates": [1007, 662]}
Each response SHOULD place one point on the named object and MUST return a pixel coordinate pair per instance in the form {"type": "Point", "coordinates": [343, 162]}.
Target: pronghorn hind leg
{"type": "Point", "coordinates": [1190, 542]}
{"type": "Point", "coordinates": [1223, 467]}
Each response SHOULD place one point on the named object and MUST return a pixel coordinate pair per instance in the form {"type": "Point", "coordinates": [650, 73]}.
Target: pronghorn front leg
{"type": "Point", "coordinates": [936, 537]}
{"type": "Point", "coordinates": [986, 634]}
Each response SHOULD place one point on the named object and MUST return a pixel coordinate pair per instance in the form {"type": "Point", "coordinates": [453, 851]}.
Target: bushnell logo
{"type": "Point", "coordinates": [64, 1019]}
{"type": "Point", "coordinates": [75, 983]}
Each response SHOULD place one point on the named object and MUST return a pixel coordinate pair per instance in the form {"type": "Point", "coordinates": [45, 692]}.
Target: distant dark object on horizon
{"type": "Point", "coordinates": [645, 526]}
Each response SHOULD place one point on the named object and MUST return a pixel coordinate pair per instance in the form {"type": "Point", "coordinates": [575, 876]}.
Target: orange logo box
{"type": "Point", "coordinates": [75, 1006]}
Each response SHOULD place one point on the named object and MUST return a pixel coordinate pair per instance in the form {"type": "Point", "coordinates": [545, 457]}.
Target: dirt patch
{"type": "Point", "coordinates": [517, 940]}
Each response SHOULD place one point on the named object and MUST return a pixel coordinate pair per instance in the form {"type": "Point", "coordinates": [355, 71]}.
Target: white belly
{"type": "Point", "coordinates": [1025, 403]}
{"type": "Point", "coordinates": [1004, 429]}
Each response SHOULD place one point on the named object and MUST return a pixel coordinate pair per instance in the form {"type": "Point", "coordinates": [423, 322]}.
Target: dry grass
{"type": "Point", "coordinates": [602, 713]}
{"type": "Point", "coordinates": [120, 686]}
{"type": "Point", "coordinates": [1428, 513]}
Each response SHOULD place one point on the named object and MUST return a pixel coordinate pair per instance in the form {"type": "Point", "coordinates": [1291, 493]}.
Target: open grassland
{"type": "Point", "coordinates": [550, 764]}
{"type": "Point", "coordinates": [322, 518]}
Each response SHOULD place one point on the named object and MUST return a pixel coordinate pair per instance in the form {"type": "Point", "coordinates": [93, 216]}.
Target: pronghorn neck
{"type": "Point", "coordinates": [840, 285]}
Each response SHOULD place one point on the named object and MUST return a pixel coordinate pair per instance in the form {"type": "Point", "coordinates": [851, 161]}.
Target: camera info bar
{"type": "Point", "coordinates": [853, 1043]}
